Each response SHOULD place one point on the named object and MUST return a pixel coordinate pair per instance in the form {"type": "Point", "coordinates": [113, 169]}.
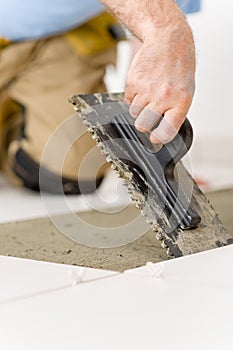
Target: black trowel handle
{"type": "Point", "coordinates": [158, 167]}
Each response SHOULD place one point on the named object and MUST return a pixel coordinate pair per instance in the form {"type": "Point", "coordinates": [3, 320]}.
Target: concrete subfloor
{"type": "Point", "coordinates": [40, 240]}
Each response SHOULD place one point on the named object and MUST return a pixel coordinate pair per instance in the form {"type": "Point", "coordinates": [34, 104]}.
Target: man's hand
{"type": "Point", "coordinates": [161, 81]}
{"type": "Point", "coordinates": [161, 78]}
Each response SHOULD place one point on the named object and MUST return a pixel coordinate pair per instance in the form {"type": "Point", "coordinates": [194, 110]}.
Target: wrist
{"type": "Point", "coordinates": [172, 33]}
{"type": "Point", "coordinates": [157, 20]}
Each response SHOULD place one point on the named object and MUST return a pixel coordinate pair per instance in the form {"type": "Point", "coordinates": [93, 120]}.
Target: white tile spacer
{"type": "Point", "coordinates": [77, 275]}
{"type": "Point", "coordinates": [156, 270]}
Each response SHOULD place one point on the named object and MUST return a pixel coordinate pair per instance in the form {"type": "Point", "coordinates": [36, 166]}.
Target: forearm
{"type": "Point", "coordinates": [157, 23]}
{"type": "Point", "coordinates": [145, 17]}
{"type": "Point", "coordinates": [161, 79]}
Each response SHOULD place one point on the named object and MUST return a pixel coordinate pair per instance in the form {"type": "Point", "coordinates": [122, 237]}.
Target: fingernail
{"type": "Point", "coordinates": [135, 110]}
{"type": "Point", "coordinates": [155, 140]}
{"type": "Point", "coordinates": [147, 120]}
{"type": "Point", "coordinates": [165, 132]}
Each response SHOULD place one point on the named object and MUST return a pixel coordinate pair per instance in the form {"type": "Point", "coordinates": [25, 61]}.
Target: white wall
{"type": "Point", "coordinates": [211, 112]}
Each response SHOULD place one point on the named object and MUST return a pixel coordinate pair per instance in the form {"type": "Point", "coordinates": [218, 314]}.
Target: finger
{"type": "Point", "coordinates": [147, 119]}
{"type": "Point", "coordinates": [137, 106]}
{"type": "Point", "coordinates": [130, 92]}
{"type": "Point", "coordinates": [168, 128]}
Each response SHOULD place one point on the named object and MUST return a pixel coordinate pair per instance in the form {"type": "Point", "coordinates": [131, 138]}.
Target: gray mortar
{"type": "Point", "coordinates": [40, 240]}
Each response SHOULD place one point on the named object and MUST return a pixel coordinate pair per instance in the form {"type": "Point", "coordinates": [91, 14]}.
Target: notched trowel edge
{"type": "Point", "coordinates": [208, 235]}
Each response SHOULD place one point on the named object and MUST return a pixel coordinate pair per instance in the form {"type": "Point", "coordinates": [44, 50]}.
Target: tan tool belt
{"type": "Point", "coordinates": [3, 42]}
{"type": "Point", "coordinates": [98, 34]}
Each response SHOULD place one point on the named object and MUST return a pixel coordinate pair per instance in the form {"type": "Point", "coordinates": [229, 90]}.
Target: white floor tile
{"type": "Point", "coordinates": [209, 268]}
{"type": "Point", "coordinates": [215, 178]}
{"type": "Point", "coordinates": [21, 204]}
{"type": "Point", "coordinates": [129, 312]}
{"type": "Point", "coordinates": [22, 278]}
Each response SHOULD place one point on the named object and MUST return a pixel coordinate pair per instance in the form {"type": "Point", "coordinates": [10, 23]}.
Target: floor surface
{"type": "Point", "coordinates": [39, 239]}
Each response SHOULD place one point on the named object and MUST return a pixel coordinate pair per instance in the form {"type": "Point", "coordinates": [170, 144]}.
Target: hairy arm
{"type": "Point", "coordinates": [161, 78]}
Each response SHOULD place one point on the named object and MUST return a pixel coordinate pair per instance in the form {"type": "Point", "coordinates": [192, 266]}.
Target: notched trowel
{"type": "Point", "coordinates": [178, 212]}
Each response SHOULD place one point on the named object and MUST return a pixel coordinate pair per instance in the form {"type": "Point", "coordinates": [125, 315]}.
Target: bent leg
{"type": "Point", "coordinates": [44, 83]}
